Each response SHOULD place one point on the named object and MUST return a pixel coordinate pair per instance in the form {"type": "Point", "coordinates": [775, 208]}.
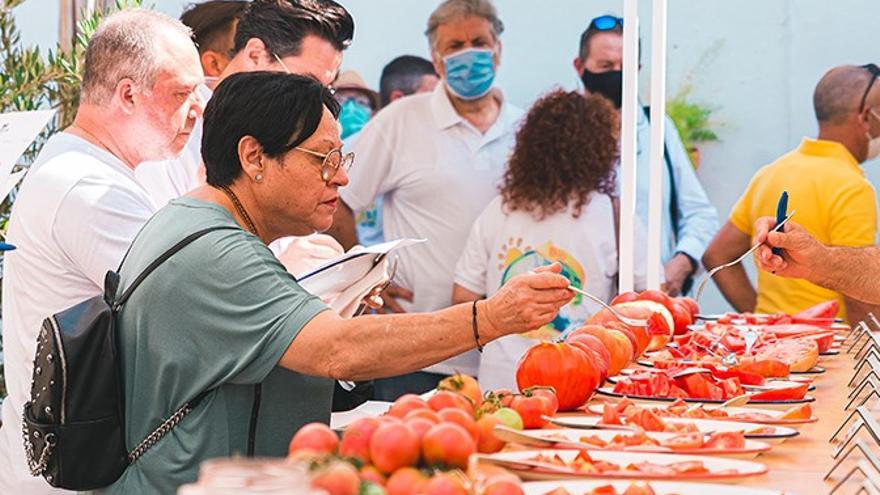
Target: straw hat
{"type": "Point", "coordinates": [351, 80]}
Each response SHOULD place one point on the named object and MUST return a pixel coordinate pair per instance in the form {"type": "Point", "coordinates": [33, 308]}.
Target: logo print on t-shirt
{"type": "Point", "coordinates": [515, 260]}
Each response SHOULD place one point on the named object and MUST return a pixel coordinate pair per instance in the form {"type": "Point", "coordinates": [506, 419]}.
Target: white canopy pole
{"type": "Point", "coordinates": [658, 121]}
{"type": "Point", "coordinates": [628, 121]}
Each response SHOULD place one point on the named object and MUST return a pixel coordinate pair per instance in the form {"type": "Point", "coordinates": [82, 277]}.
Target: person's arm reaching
{"type": "Point", "coordinates": [854, 272]}
{"type": "Point", "coordinates": [387, 345]}
{"type": "Point", "coordinates": [729, 244]}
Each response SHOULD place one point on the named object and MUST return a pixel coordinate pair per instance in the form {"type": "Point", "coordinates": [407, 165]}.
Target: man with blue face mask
{"type": "Point", "coordinates": [438, 159]}
{"type": "Point", "coordinates": [357, 102]}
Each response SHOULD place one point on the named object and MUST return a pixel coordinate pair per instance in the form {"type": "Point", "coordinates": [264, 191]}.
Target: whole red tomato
{"type": "Point", "coordinates": [691, 305]}
{"type": "Point", "coordinates": [548, 395]}
{"type": "Point", "coordinates": [656, 296]}
{"type": "Point", "coordinates": [681, 315]}
{"type": "Point", "coordinates": [625, 297]}
{"type": "Point", "coordinates": [464, 385]}
{"type": "Point", "coordinates": [566, 368]}
{"type": "Point", "coordinates": [531, 410]}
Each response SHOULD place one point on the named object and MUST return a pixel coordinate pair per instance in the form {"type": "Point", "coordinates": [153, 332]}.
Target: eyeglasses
{"type": "Point", "coordinates": [333, 161]}
{"type": "Point", "coordinates": [329, 87]}
{"type": "Point", "coordinates": [875, 73]}
{"type": "Point", "coordinates": [605, 23]}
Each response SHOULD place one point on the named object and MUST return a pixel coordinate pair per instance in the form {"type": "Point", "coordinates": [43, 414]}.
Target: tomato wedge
{"type": "Point", "coordinates": [561, 491]}
{"type": "Point", "coordinates": [610, 416]}
{"type": "Point", "coordinates": [640, 488]}
{"type": "Point", "coordinates": [604, 490]}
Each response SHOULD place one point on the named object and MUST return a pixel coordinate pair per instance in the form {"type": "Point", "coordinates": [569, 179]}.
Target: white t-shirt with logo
{"type": "Point", "coordinates": [502, 245]}
{"type": "Point", "coordinates": [437, 172]}
{"type": "Point", "coordinates": [78, 210]}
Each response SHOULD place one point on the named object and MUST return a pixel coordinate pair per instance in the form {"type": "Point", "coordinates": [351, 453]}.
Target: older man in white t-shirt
{"type": "Point", "coordinates": [80, 206]}
{"type": "Point", "coordinates": [437, 158]}
{"type": "Point", "coordinates": [308, 38]}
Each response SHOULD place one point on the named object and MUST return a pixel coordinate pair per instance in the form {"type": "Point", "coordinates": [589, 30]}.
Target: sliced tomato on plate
{"type": "Point", "coordinates": [796, 392]}
{"type": "Point", "coordinates": [767, 368]}
{"type": "Point", "coordinates": [827, 309]}
{"type": "Point", "coordinates": [604, 490]}
{"type": "Point", "coordinates": [639, 488]}
{"type": "Point", "coordinates": [689, 467]}
{"type": "Point", "coordinates": [651, 469]}
{"type": "Point", "coordinates": [685, 441]}
{"type": "Point", "coordinates": [726, 440]}
{"type": "Point", "coordinates": [610, 415]}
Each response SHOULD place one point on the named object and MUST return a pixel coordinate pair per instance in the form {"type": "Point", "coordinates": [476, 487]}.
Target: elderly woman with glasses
{"type": "Point", "coordinates": [223, 316]}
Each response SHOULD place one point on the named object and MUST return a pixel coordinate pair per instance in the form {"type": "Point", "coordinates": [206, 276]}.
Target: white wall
{"type": "Point", "coordinates": [756, 61]}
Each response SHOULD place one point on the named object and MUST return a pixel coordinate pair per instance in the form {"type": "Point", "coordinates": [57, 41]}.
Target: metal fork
{"type": "Point", "coordinates": [625, 319]}
{"type": "Point", "coordinates": [748, 253]}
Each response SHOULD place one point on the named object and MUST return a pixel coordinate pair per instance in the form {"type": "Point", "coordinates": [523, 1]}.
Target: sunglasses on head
{"type": "Point", "coordinates": [605, 23]}
{"type": "Point", "coordinates": [875, 73]}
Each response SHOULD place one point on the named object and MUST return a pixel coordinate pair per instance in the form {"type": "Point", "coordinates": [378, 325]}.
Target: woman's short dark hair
{"type": "Point", "coordinates": [565, 150]}
{"type": "Point", "coordinates": [279, 110]}
{"type": "Point", "coordinates": [283, 24]}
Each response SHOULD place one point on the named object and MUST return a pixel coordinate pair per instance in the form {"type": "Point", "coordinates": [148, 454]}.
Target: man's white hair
{"type": "Point", "coordinates": [126, 45]}
{"type": "Point", "coordinates": [454, 10]}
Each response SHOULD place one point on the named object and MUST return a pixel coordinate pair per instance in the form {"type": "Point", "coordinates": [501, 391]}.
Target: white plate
{"type": "Point", "coordinates": [743, 469]}
{"type": "Point", "coordinates": [572, 439]}
{"type": "Point", "coordinates": [597, 409]}
{"type": "Point", "coordinates": [815, 370]}
{"type": "Point", "coordinates": [780, 433]}
{"type": "Point", "coordinates": [769, 383]}
{"type": "Point", "coordinates": [609, 391]}
{"type": "Point", "coordinates": [578, 487]}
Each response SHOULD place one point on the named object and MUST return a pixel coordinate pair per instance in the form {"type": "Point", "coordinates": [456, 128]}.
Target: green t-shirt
{"type": "Point", "coordinates": [219, 315]}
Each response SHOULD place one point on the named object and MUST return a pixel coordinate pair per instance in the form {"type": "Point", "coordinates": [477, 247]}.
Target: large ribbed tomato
{"type": "Point", "coordinates": [564, 367]}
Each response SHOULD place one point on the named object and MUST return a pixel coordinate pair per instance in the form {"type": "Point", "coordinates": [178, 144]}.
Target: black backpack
{"type": "Point", "coordinates": [74, 424]}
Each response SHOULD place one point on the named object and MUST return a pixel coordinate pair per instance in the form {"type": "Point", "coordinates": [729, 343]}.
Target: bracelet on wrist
{"type": "Point", "coordinates": [474, 326]}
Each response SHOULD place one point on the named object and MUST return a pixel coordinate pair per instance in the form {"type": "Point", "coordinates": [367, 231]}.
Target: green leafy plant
{"type": "Point", "coordinates": [29, 81]}
{"type": "Point", "coordinates": [692, 120]}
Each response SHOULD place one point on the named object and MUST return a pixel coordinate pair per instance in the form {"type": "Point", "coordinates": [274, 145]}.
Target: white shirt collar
{"type": "Point", "coordinates": [445, 115]}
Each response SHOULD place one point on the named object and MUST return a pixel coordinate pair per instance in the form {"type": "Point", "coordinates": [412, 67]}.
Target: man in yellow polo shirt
{"type": "Point", "coordinates": [826, 185]}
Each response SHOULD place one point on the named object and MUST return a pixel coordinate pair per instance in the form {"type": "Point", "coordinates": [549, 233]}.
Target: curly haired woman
{"type": "Point", "coordinates": [556, 205]}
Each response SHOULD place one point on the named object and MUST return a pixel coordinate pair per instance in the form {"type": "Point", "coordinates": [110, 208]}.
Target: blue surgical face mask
{"type": "Point", "coordinates": [470, 73]}
{"type": "Point", "coordinates": [353, 116]}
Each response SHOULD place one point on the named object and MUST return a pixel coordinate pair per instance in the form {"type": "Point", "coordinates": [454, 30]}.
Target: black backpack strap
{"type": "Point", "coordinates": [163, 258]}
{"type": "Point", "coordinates": [673, 189]}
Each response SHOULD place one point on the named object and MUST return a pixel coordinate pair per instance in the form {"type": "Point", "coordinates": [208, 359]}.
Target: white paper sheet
{"type": "Point", "coordinates": [17, 131]}
{"type": "Point", "coordinates": [337, 275]}
{"type": "Point", "coordinates": [371, 408]}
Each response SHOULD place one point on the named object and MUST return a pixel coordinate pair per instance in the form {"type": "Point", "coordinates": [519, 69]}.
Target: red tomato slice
{"type": "Point", "coordinates": [689, 467]}
{"type": "Point", "coordinates": [649, 468]}
{"type": "Point", "coordinates": [827, 309]}
{"type": "Point", "coordinates": [796, 392]}
{"type": "Point", "coordinates": [726, 440]}
{"type": "Point", "coordinates": [604, 490]}
{"type": "Point", "coordinates": [610, 416]}
{"type": "Point", "coordinates": [687, 441]}
{"type": "Point", "coordinates": [640, 488]}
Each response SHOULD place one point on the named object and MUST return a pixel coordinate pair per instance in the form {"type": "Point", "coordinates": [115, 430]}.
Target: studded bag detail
{"type": "Point", "coordinates": [74, 424]}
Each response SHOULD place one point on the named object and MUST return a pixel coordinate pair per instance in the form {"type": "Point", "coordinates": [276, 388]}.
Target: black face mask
{"type": "Point", "coordinates": [608, 84]}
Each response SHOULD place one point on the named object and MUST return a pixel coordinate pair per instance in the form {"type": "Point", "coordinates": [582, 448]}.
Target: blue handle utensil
{"type": "Point", "coordinates": [781, 213]}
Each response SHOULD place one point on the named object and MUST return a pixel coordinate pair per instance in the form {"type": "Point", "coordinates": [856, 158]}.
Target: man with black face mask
{"type": "Point", "coordinates": [689, 221]}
